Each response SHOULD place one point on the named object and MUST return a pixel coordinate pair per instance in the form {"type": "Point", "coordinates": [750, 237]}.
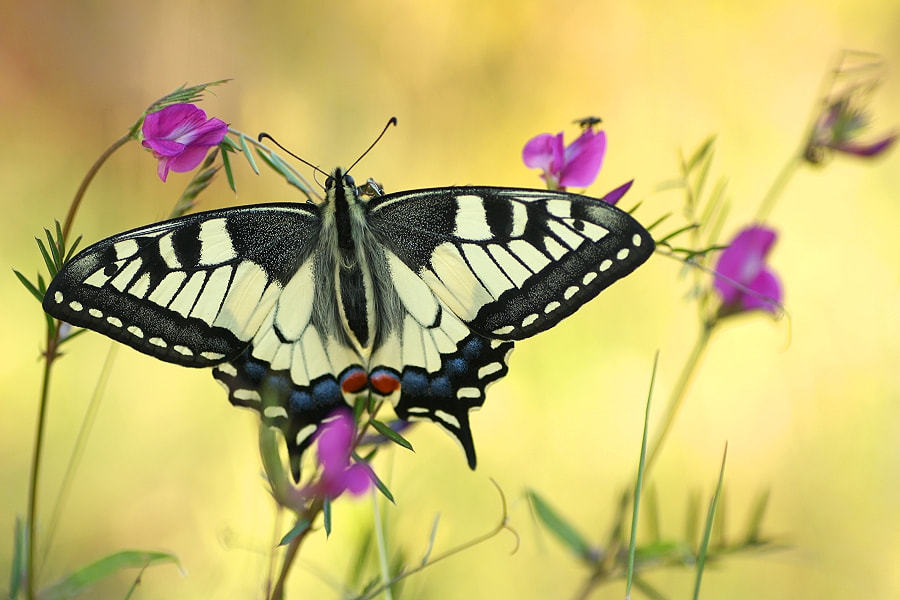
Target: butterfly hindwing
{"type": "Point", "coordinates": [192, 290]}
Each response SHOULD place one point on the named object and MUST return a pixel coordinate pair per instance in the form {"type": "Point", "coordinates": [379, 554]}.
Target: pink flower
{"type": "Point", "coordinates": [335, 444]}
{"type": "Point", "coordinates": [575, 165]}
{"type": "Point", "coordinates": [180, 136]}
{"type": "Point", "coordinates": [838, 129]}
{"type": "Point", "coordinates": [745, 282]}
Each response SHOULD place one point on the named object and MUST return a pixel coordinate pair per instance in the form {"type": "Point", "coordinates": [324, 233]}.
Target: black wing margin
{"type": "Point", "coordinates": [192, 290]}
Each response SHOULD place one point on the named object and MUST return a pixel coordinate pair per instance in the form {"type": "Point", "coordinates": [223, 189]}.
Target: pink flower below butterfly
{"type": "Point", "coordinates": [339, 473]}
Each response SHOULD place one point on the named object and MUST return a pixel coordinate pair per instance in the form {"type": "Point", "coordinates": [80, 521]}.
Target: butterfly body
{"type": "Point", "coordinates": [416, 297]}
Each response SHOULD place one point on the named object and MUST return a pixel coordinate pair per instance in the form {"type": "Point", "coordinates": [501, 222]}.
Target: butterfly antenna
{"type": "Point", "coordinates": [265, 136]}
{"type": "Point", "coordinates": [391, 121]}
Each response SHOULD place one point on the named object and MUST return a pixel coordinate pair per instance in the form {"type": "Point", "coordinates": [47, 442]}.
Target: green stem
{"type": "Point", "coordinates": [82, 189]}
{"type": "Point", "coordinates": [778, 186]}
{"type": "Point", "coordinates": [292, 549]}
{"type": "Point", "coordinates": [382, 548]}
{"type": "Point", "coordinates": [53, 340]}
{"type": "Point", "coordinates": [52, 344]}
{"type": "Point", "coordinates": [679, 392]}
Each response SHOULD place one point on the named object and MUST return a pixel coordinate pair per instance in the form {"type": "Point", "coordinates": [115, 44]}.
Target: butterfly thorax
{"type": "Point", "coordinates": [352, 249]}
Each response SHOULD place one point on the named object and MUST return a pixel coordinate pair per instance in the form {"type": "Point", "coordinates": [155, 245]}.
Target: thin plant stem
{"type": "Point", "coordinates": [52, 344]}
{"type": "Point", "coordinates": [293, 547]}
{"type": "Point", "coordinates": [778, 185]}
{"type": "Point", "coordinates": [50, 355]}
{"type": "Point", "coordinates": [84, 432]}
{"type": "Point", "coordinates": [82, 189]}
{"type": "Point", "coordinates": [382, 547]}
{"type": "Point", "coordinates": [679, 392]}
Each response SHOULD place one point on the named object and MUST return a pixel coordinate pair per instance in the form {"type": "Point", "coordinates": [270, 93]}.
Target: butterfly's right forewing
{"type": "Point", "coordinates": [192, 290]}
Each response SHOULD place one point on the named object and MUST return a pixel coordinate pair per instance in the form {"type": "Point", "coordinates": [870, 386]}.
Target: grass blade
{"type": "Point", "coordinates": [707, 533]}
{"type": "Point", "coordinates": [91, 574]}
{"type": "Point", "coordinates": [564, 531]}
{"type": "Point", "coordinates": [638, 485]}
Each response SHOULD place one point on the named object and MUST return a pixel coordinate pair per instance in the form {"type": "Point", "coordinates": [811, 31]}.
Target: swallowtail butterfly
{"type": "Point", "coordinates": [416, 296]}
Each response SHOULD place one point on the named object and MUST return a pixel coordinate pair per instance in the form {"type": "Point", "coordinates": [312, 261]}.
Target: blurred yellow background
{"type": "Point", "coordinates": [808, 405]}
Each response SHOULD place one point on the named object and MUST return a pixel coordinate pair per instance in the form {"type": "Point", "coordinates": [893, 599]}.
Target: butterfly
{"type": "Point", "coordinates": [415, 297]}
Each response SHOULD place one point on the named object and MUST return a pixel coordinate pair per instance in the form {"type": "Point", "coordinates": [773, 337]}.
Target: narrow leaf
{"type": "Point", "coordinates": [72, 249]}
{"type": "Point", "coordinates": [248, 154]}
{"type": "Point", "coordinates": [707, 532]}
{"type": "Point", "coordinates": [639, 484]}
{"type": "Point", "coordinates": [299, 527]}
{"type": "Point", "coordinates": [93, 573]}
{"type": "Point", "coordinates": [390, 434]}
{"type": "Point", "coordinates": [326, 515]}
{"type": "Point", "coordinates": [29, 286]}
{"type": "Point", "coordinates": [561, 528]}
{"type": "Point", "coordinates": [700, 153]}
{"type": "Point", "coordinates": [431, 538]}
{"type": "Point", "coordinates": [280, 167]}
{"type": "Point", "coordinates": [756, 516]}
{"type": "Point", "coordinates": [20, 551]}
{"type": "Point", "coordinates": [378, 483]}
{"type": "Point", "coordinates": [226, 163]}
{"type": "Point", "coordinates": [54, 248]}
{"type": "Point", "coordinates": [51, 266]}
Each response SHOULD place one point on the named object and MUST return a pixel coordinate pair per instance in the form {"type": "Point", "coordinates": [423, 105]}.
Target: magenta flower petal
{"type": "Point", "coordinates": [871, 149]}
{"type": "Point", "coordinates": [180, 136]}
{"type": "Point", "coordinates": [583, 159]}
{"type": "Point", "coordinates": [339, 474]}
{"type": "Point", "coordinates": [357, 479]}
{"type": "Point", "coordinates": [574, 165]}
{"type": "Point", "coordinates": [542, 151]}
{"type": "Point", "coordinates": [614, 196]}
{"type": "Point", "coordinates": [745, 282]}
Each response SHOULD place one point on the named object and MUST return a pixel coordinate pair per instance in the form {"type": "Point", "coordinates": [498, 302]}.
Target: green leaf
{"type": "Point", "coordinates": [54, 248]}
{"type": "Point", "coordinates": [326, 515]}
{"type": "Point", "coordinates": [753, 536]}
{"type": "Point", "coordinates": [184, 94]}
{"type": "Point", "coordinates": [29, 286]}
{"type": "Point", "coordinates": [93, 573]}
{"type": "Point", "coordinates": [700, 153]}
{"type": "Point", "coordinates": [378, 483]}
{"type": "Point", "coordinates": [562, 529]}
{"type": "Point", "coordinates": [639, 485]}
{"type": "Point", "coordinates": [390, 434]}
{"type": "Point", "coordinates": [72, 248]}
{"type": "Point", "coordinates": [707, 532]}
{"type": "Point", "coordinates": [299, 527]}
{"type": "Point", "coordinates": [664, 552]}
{"type": "Point", "coordinates": [248, 154]}
{"type": "Point", "coordinates": [20, 551]}
{"type": "Point", "coordinates": [226, 163]}
{"type": "Point", "coordinates": [51, 266]}
{"type": "Point", "coordinates": [281, 167]}
{"type": "Point", "coordinates": [359, 405]}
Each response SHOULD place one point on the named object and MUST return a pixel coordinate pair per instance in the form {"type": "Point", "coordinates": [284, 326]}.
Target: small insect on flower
{"type": "Point", "coordinates": [180, 135]}
{"type": "Point", "coordinates": [339, 473]}
{"type": "Point", "coordinates": [575, 165]}
{"type": "Point", "coordinates": [744, 281]}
